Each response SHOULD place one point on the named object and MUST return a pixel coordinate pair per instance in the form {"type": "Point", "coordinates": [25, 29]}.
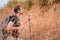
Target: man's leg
{"type": "Point", "coordinates": [1, 33]}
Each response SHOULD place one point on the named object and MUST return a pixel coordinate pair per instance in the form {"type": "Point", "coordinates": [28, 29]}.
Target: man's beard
{"type": "Point", "coordinates": [21, 13]}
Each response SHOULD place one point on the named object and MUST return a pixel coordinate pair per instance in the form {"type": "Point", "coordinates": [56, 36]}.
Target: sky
{"type": "Point", "coordinates": [3, 2]}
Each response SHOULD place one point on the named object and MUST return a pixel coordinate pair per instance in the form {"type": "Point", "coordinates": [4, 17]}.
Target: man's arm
{"type": "Point", "coordinates": [10, 26]}
{"type": "Point", "coordinates": [25, 20]}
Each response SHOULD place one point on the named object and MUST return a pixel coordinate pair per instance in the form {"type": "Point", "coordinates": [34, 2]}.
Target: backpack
{"type": "Point", "coordinates": [3, 25]}
{"type": "Point", "coordinates": [5, 22]}
{"type": "Point", "coordinates": [12, 18]}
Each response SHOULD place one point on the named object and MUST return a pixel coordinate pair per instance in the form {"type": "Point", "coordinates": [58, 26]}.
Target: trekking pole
{"type": "Point", "coordinates": [21, 35]}
{"type": "Point", "coordinates": [29, 27]}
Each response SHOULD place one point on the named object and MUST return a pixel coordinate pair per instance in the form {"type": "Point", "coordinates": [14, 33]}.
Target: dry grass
{"type": "Point", "coordinates": [45, 26]}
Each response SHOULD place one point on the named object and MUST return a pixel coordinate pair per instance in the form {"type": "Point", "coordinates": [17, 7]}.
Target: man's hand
{"type": "Point", "coordinates": [28, 16]}
{"type": "Point", "coordinates": [10, 26]}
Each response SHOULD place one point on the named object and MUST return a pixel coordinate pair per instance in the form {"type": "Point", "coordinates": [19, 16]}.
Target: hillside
{"type": "Point", "coordinates": [45, 25]}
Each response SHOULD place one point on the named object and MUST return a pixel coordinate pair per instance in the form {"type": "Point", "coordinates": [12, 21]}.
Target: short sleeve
{"type": "Point", "coordinates": [15, 20]}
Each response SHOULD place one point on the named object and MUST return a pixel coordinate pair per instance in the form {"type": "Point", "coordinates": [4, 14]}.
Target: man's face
{"type": "Point", "coordinates": [20, 11]}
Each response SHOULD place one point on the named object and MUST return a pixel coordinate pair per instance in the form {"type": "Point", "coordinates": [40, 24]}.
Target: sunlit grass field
{"type": "Point", "coordinates": [45, 19]}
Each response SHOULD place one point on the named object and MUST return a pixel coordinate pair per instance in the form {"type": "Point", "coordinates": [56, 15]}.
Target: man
{"type": "Point", "coordinates": [13, 23]}
{"type": "Point", "coordinates": [18, 11]}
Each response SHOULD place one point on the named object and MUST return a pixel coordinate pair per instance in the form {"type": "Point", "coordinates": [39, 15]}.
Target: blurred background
{"type": "Point", "coordinates": [45, 17]}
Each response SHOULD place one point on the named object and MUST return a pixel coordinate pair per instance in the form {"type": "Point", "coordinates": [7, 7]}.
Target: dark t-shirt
{"type": "Point", "coordinates": [15, 20]}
